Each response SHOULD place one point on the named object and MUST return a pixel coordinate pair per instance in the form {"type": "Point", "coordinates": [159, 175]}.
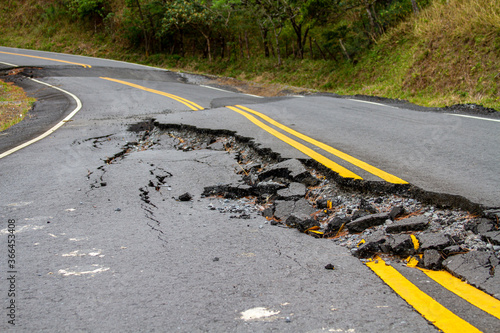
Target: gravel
{"type": "Point", "coordinates": [270, 185]}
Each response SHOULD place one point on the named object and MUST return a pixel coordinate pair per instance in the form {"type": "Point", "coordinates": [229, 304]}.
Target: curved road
{"type": "Point", "coordinates": [90, 256]}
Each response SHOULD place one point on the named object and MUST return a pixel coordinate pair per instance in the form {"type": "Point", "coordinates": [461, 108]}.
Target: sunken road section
{"type": "Point", "coordinates": [401, 223]}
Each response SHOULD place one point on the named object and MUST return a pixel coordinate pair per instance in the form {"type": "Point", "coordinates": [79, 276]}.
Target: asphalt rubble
{"type": "Point", "coordinates": [369, 221]}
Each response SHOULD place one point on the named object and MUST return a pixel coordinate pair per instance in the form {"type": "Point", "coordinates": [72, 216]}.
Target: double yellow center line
{"type": "Point", "coordinates": [250, 115]}
{"type": "Point", "coordinates": [193, 106]}
{"type": "Point", "coordinates": [342, 171]}
{"type": "Point", "coordinates": [427, 306]}
{"type": "Point", "coordinates": [50, 59]}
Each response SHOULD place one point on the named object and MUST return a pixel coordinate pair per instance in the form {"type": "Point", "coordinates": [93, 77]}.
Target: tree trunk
{"type": "Point", "coordinates": [320, 50]}
{"type": "Point", "coordinates": [304, 39]}
{"type": "Point", "coordinates": [311, 53]}
{"type": "Point", "coordinates": [209, 50]}
{"type": "Point", "coordinates": [414, 5]}
{"type": "Point", "coordinates": [182, 43]}
{"type": "Point", "coordinates": [370, 16]}
{"type": "Point", "coordinates": [298, 32]}
{"type": "Point", "coordinates": [222, 46]}
{"type": "Point", "coordinates": [374, 26]}
{"type": "Point", "coordinates": [263, 32]}
{"type": "Point", "coordinates": [241, 46]}
{"type": "Point", "coordinates": [146, 40]}
{"type": "Point", "coordinates": [278, 53]}
{"type": "Point", "coordinates": [247, 45]}
{"type": "Point", "coordinates": [344, 50]}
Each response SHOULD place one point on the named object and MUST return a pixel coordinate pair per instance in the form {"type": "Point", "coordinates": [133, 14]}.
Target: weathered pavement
{"type": "Point", "coordinates": [99, 249]}
{"type": "Point", "coordinates": [172, 265]}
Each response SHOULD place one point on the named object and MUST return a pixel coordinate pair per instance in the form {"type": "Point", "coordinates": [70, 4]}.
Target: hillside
{"type": "Point", "coordinates": [444, 53]}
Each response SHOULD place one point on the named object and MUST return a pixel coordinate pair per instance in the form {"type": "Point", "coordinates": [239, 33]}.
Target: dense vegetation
{"type": "Point", "coordinates": [433, 52]}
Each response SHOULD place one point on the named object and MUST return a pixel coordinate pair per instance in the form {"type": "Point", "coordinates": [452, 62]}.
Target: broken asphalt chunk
{"type": "Point", "coordinates": [436, 241]}
{"type": "Point", "coordinates": [478, 268]}
{"type": "Point", "coordinates": [401, 245]}
{"type": "Point", "coordinates": [414, 223]}
{"type": "Point", "coordinates": [291, 169]}
{"type": "Point", "coordinates": [268, 212]}
{"type": "Point", "coordinates": [185, 197]}
{"type": "Point", "coordinates": [452, 250]}
{"type": "Point", "coordinates": [268, 187]}
{"type": "Point", "coordinates": [366, 222]}
{"type": "Point", "coordinates": [492, 237]}
{"type": "Point", "coordinates": [301, 221]}
{"type": "Point", "coordinates": [432, 259]}
{"type": "Point", "coordinates": [294, 191]}
{"type": "Point", "coordinates": [336, 224]}
{"type": "Point", "coordinates": [493, 214]}
{"type": "Point", "coordinates": [481, 226]}
{"type": "Point", "coordinates": [283, 209]}
{"type": "Point", "coordinates": [372, 245]}
{"type": "Point", "coordinates": [396, 211]}
{"type": "Point", "coordinates": [217, 145]}
{"type": "Point", "coordinates": [367, 207]}
{"type": "Point", "coordinates": [234, 190]}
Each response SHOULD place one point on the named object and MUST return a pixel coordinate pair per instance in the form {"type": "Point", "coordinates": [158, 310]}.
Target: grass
{"type": "Point", "coordinates": [14, 105]}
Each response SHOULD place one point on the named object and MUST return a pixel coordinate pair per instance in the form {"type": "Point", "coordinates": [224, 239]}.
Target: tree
{"type": "Point", "coordinates": [303, 15]}
{"type": "Point", "coordinates": [197, 15]}
{"type": "Point", "coordinates": [92, 10]}
{"type": "Point", "coordinates": [147, 14]}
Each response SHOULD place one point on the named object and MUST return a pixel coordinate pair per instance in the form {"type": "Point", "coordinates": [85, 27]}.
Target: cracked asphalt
{"type": "Point", "coordinates": [99, 249]}
{"type": "Point", "coordinates": [85, 266]}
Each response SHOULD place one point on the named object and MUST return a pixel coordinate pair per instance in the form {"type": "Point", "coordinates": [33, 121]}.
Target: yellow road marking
{"type": "Point", "coordinates": [191, 105]}
{"type": "Point", "coordinates": [472, 295]}
{"type": "Point", "coordinates": [363, 165]}
{"type": "Point", "coordinates": [343, 172]}
{"type": "Point", "coordinates": [415, 242]}
{"type": "Point", "coordinates": [429, 308]}
{"type": "Point", "coordinates": [31, 56]}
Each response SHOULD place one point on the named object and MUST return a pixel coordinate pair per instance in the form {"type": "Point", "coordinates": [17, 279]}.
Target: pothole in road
{"type": "Point", "coordinates": [401, 223]}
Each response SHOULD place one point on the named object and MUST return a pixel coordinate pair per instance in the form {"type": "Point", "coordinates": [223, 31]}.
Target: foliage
{"type": "Point", "coordinates": [433, 52]}
{"type": "Point", "coordinates": [88, 8]}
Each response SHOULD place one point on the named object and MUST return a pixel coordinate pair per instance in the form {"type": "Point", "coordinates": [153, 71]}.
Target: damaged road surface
{"type": "Point", "coordinates": [156, 207]}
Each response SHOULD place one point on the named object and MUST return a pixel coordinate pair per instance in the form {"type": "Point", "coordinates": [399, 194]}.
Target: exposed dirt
{"type": "Point", "coordinates": [14, 104]}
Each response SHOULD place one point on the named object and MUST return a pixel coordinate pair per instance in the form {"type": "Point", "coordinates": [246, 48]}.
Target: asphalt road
{"type": "Point", "coordinates": [97, 257]}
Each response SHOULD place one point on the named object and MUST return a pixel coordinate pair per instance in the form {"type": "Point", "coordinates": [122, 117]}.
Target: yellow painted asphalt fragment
{"type": "Point", "coordinates": [343, 172]}
{"type": "Point", "coordinates": [363, 165]}
{"type": "Point", "coordinates": [191, 105]}
{"type": "Point", "coordinates": [32, 56]}
{"type": "Point", "coordinates": [472, 295]}
{"type": "Point", "coordinates": [429, 308]}
{"type": "Point", "coordinates": [415, 242]}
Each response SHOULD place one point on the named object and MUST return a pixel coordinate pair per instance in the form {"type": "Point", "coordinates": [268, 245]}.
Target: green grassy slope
{"type": "Point", "coordinates": [448, 54]}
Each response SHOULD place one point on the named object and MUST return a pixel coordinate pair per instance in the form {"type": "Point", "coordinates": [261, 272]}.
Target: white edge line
{"type": "Point", "coordinates": [53, 129]}
{"type": "Point", "coordinates": [232, 92]}
{"type": "Point", "coordinates": [254, 95]}
{"type": "Point", "coordinates": [361, 101]}
{"type": "Point", "coordinates": [6, 63]}
{"type": "Point", "coordinates": [473, 117]}
{"type": "Point", "coordinates": [204, 86]}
